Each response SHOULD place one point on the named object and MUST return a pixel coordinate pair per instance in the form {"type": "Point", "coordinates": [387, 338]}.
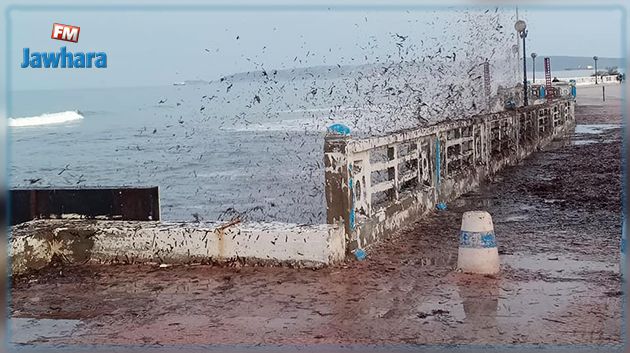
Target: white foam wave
{"type": "Point", "coordinates": [46, 119]}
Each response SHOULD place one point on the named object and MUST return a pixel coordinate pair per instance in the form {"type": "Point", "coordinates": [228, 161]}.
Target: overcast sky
{"type": "Point", "coordinates": [574, 32]}
{"type": "Point", "coordinates": [161, 47]}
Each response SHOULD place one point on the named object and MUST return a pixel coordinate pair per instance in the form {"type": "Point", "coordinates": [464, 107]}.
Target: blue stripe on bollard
{"type": "Point", "coordinates": [477, 240]}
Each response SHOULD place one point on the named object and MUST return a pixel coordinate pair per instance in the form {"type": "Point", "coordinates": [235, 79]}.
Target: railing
{"type": "Point", "coordinates": [123, 203]}
{"type": "Point", "coordinates": [589, 80]}
{"type": "Point", "coordinates": [558, 90]}
{"type": "Point", "coordinates": [373, 184]}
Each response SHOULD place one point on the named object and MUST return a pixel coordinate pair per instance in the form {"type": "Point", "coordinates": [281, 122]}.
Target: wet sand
{"type": "Point", "coordinates": [558, 224]}
{"type": "Point", "coordinates": [594, 110]}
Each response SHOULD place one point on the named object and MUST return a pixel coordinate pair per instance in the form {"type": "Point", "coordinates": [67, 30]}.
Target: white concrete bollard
{"type": "Point", "coordinates": [478, 251]}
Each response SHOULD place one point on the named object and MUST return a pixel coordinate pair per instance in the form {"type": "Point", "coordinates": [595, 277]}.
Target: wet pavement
{"type": "Point", "coordinates": [558, 223]}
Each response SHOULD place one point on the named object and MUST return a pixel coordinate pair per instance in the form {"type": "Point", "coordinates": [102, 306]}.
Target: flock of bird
{"type": "Point", "coordinates": [250, 145]}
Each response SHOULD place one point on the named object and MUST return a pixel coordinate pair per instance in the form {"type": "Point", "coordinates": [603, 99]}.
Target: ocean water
{"type": "Point", "coordinates": [565, 74]}
{"type": "Point", "coordinates": [204, 163]}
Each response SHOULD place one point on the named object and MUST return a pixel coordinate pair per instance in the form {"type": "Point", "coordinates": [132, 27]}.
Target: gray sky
{"type": "Point", "coordinates": [574, 32]}
{"type": "Point", "coordinates": [157, 48]}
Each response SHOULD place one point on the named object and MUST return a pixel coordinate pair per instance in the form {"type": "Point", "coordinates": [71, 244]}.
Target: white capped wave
{"type": "Point", "coordinates": [46, 119]}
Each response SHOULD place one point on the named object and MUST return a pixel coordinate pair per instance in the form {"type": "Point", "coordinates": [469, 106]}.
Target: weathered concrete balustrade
{"type": "Point", "coordinates": [374, 186]}
{"type": "Point", "coordinates": [35, 244]}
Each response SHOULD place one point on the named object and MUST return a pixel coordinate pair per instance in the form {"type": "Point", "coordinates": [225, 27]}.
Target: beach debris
{"type": "Point", "coordinates": [339, 129]}
{"type": "Point", "coordinates": [228, 224]}
{"type": "Point", "coordinates": [359, 254]}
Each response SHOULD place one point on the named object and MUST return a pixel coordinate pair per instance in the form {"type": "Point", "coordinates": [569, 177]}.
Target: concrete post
{"type": "Point", "coordinates": [478, 252]}
{"type": "Point", "coordinates": [536, 125]}
{"type": "Point", "coordinates": [339, 208]}
{"type": "Point", "coordinates": [392, 172]}
{"type": "Point", "coordinates": [438, 162]}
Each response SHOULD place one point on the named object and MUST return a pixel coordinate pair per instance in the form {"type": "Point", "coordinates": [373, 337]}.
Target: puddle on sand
{"type": "Point", "coordinates": [442, 261]}
{"type": "Point", "coordinates": [584, 142]}
{"type": "Point", "coordinates": [497, 302]}
{"type": "Point", "coordinates": [30, 330]}
{"type": "Point", "coordinates": [556, 263]}
{"type": "Point", "coordinates": [583, 133]}
{"type": "Point", "coordinates": [506, 212]}
{"type": "Point", "coordinates": [594, 128]}
{"type": "Point", "coordinates": [493, 301]}
{"type": "Point", "coordinates": [513, 218]}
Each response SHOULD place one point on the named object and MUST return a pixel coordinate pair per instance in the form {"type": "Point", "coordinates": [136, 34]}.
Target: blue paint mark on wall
{"type": "Point", "coordinates": [437, 162]}
{"type": "Point", "coordinates": [351, 187]}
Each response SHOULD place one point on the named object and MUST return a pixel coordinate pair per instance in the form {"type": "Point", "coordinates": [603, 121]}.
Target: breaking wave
{"type": "Point", "coordinates": [46, 119]}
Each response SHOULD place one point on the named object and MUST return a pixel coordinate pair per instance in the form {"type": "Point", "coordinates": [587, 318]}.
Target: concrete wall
{"type": "Point", "coordinates": [35, 244]}
{"type": "Point", "coordinates": [377, 185]}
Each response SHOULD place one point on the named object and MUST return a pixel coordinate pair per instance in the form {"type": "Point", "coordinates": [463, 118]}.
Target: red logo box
{"type": "Point", "coordinates": [65, 32]}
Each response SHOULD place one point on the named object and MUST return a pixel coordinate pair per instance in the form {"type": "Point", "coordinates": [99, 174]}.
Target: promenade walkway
{"type": "Point", "coordinates": [558, 224]}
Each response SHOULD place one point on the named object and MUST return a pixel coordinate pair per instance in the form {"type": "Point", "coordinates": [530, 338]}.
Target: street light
{"type": "Point", "coordinates": [534, 55]}
{"type": "Point", "coordinates": [595, 58]}
{"type": "Point", "coordinates": [521, 27]}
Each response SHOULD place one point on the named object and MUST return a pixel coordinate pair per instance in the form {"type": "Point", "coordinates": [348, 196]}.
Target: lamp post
{"type": "Point", "coordinates": [595, 59]}
{"type": "Point", "coordinates": [521, 28]}
{"type": "Point", "coordinates": [534, 55]}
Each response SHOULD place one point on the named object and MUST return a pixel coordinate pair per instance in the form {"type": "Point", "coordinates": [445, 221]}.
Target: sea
{"type": "Point", "coordinates": [210, 162]}
{"type": "Point", "coordinates": [250, 145]}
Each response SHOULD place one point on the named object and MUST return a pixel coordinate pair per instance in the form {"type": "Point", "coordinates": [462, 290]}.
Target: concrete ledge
{"type": "Point", "coordinates": [35, 244]}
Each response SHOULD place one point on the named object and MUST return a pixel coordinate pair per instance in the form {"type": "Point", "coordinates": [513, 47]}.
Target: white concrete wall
{"type": "Point", "coordinates": [175, 242]}
{"type": "Point", "coordinates": [35, 243]}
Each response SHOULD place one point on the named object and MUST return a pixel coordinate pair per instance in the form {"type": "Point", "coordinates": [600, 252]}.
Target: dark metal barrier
{"type": "Point", "coordinates": [127, 204]}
